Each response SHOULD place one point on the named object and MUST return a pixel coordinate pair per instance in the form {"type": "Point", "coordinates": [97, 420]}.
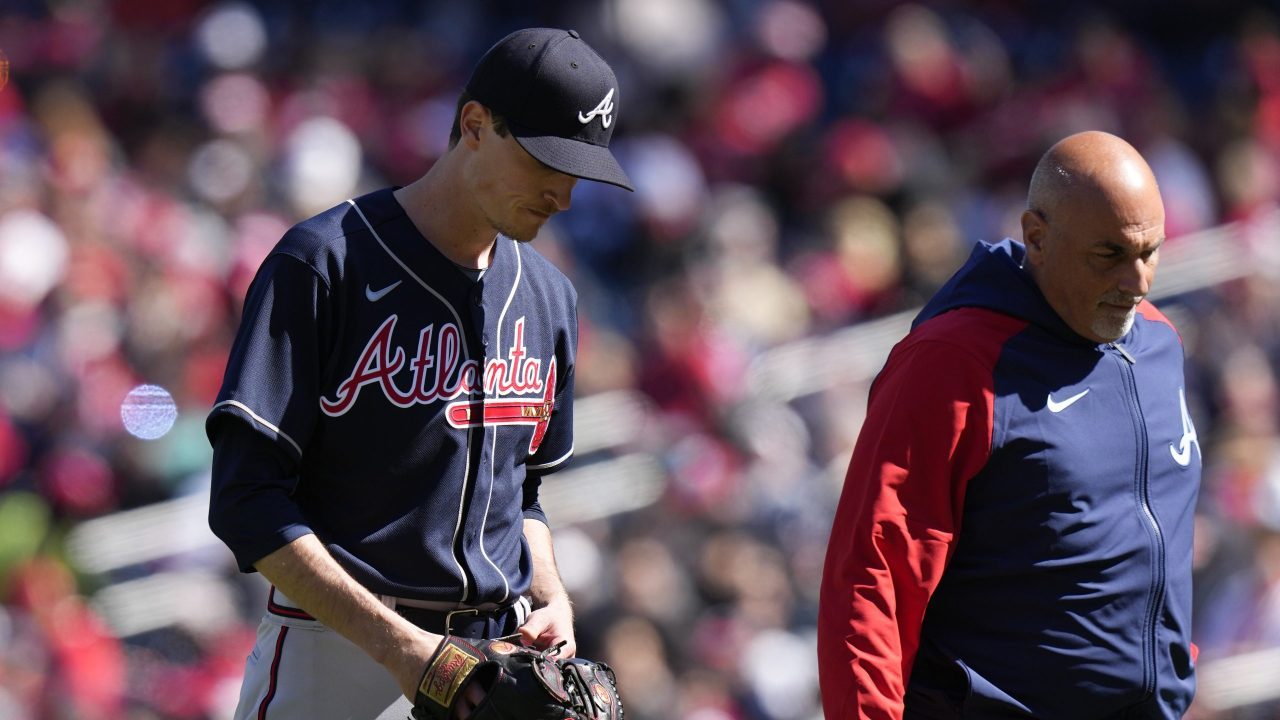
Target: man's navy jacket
{"type": "Point", "coordinates": [1014, 535]}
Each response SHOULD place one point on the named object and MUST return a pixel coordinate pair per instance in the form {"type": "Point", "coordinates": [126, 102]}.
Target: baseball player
{"type": "Point", "coordinates": [401, 382]}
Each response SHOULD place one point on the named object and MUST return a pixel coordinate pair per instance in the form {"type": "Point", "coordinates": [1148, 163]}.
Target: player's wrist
{"type": "Point", "coordinates": [551, 598]}
{"type": "Point", "coordinates": [411, 656]}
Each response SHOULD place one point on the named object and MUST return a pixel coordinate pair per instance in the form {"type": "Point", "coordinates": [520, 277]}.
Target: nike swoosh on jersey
{"type": "Point", "coordinates": [1057, 407]}
{"type": "Point", "coordinates": [375, 296]}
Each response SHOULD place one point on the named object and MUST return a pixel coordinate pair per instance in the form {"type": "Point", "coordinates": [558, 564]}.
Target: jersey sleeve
{"type": "Point", "coordinates": [557, 445]}
{"type": "Point", "coordinates": [266, 410]}
{"type": "Point", "coordinates": [556, 448]}
{"type": "Point", "coordinates": [272, 378]}
{"type": "Point", "coordinates": [250, 508]}
{"type": "Point", "coordinates": [927, 431]}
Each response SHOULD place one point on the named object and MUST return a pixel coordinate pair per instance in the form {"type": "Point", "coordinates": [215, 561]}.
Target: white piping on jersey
{"type": "Point", "coordinates": [466, 356]}
{"type": "Point", "coordinates": [553, 463]}
{"type": "Point", "coordinates": [493, 447]}
{"type": "Point", "coordinates": [259, 419]}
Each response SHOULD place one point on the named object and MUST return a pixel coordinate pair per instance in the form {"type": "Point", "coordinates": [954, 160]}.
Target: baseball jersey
{"type": "Point", "coordinates": [408, 409]}
{"type": "Point", "coordinates": [1014, 535]}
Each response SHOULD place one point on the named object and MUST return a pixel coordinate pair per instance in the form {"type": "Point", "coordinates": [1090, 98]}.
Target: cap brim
{"type": "Point", "coordinates": [571, 157]}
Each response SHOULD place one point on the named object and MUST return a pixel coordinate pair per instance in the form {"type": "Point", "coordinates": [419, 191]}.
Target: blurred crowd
{"type": "Point", "coordinates": [800, 167]}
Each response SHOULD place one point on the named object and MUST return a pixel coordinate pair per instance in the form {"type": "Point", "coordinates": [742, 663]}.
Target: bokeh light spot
{"type": "Point", "coordinates": [232, 35]}
{"type": "Point", "coordinates": [148, 412]}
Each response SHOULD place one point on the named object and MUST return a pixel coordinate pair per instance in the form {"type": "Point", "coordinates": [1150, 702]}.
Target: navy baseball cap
{"type": "Point", "coordinates": [559, 99]}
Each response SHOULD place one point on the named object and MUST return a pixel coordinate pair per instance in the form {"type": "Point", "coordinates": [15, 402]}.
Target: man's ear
{"type": "Point", "coordinates": [471, 122]}
{"type": "Point", "coordinates": [1034, 232]}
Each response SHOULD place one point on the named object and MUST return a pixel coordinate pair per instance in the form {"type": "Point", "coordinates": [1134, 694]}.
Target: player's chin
{"type": "Point", "coordinates": [526, 227]}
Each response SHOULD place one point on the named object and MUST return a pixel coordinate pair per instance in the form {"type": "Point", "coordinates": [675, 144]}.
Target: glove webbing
{"type": "Point", "coordinates": [579, 684]}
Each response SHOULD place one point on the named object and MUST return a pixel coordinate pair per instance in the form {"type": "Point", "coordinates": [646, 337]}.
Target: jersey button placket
{"type": "Point", "coordinates": [477, 317]}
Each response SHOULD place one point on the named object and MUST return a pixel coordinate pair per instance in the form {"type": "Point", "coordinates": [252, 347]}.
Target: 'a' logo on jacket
{"type": "Point", "coordinates": [1182, 451]}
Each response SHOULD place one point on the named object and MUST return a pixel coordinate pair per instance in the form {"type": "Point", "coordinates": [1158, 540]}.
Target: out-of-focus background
{"type": "Point", "coordinates": [807, 173]}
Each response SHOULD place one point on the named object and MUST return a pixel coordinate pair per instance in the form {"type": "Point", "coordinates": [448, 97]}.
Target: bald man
{"type": "Point", "coordinates": [1014, 534]}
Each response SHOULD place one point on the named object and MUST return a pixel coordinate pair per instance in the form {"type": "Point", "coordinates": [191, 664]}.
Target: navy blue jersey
{"type": "Point", "coordinates": [410, 409]}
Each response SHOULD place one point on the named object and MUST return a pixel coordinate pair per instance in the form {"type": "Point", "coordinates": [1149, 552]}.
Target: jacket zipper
{"type": "Point", "coordinates": [1142, 488]}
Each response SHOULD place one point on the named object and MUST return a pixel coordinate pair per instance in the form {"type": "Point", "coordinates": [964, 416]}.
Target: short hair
{"type": "Point", "coordinates": [1048, 183]}
{"type": "Point", "coordinates": [455, 133]}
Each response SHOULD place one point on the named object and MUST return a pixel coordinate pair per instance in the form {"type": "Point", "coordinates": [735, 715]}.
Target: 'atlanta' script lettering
{"type": "Point", "coordinates": [438, 369]}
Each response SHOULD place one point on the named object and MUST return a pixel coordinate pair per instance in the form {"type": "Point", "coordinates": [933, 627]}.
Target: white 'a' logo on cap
{"type": "Point", "coordinates": [604, 110]}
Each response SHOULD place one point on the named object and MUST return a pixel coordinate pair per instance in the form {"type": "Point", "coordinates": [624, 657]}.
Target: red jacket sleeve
{"type": "Point", "coordinates": [927, 431]}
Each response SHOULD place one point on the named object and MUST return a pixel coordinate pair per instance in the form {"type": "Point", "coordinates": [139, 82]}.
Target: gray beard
{"type": "Point", "coordinates": [1111, 329]}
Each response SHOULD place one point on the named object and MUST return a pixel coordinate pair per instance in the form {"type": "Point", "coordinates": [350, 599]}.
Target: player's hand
{"type": "Point", "coordinates": [499, 679]}
{"type": "Point", "coordinates": [549, 625]}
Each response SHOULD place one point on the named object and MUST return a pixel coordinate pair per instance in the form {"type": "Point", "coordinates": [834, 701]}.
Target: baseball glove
{"type": "Point", "coordinates": [521, 683]}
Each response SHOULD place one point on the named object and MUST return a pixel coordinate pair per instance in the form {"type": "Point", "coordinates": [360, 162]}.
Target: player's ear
{"type": "Point", "coordinates": [472, 120]}
{"type": "Point", "coordinates": [1034, 231]}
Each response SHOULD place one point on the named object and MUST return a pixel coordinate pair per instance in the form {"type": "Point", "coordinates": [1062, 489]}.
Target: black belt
{"type": "Point", "coordinates": [466, 622]}
{"type": "Point", "coordinates": [470, 622]}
